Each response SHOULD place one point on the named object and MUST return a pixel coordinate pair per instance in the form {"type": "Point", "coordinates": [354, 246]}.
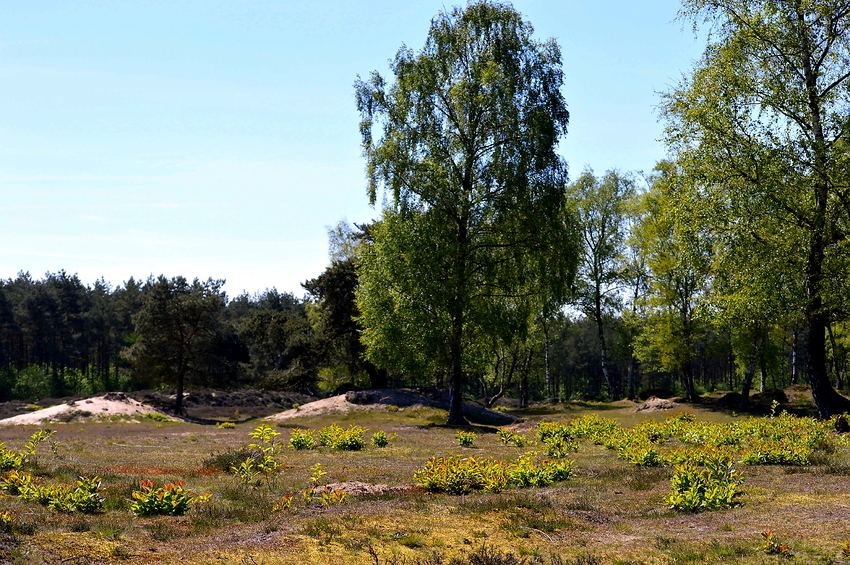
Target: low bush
{"type": "Point", "coordinates": [512, 438]}
{"type": "Point", "coordinates": [302, 439]}
{"type": "Point", "coordinates": [336, 437]}
{"type": "Point", "coordinates": [465, 439]}
{"type": "Point", "coordinates": [382, 439]}
{"type": "Point", "coordinates": [713, 487]}
{"type": "Point", "coordinates": [171, 499]}
{"type": "Point", "coordinates": [462, 475]}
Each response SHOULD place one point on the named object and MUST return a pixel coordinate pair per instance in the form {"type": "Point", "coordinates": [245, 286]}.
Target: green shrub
{"type": "Point", "coordinates": [302, 439]}
{"type": "Point", "coordinates": [84, 497]}
{"type": "Point", "coordinates": [336, 437]}
{"type": "Point", "coordinates": [14, 482]}
{"type": "Point", "coordinates": [382, 439]}
{"type": "Point", "coordinates": [225, 425]}
{"type": "Point", "coordinates": [465, 439]}
{"type": "Point", "coordinates": [461, 475]}
{"type": "Point", "coordinates": [457, 475]}
{"type": "Point", "coordinates": [527, 472]}
{"type": "Point", "coordinates": [156, 417]}
{"type": "Point", "coordinates": [9, 459]}
{"type": "Point", "coordinates": [509, 437]}
{"type": "Point", "coordinates": [713, 487]}
{"type": "Point", "coordinates": [171, 499]}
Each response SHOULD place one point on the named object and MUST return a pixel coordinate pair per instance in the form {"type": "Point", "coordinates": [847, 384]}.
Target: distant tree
{"type": "Point", "coordinates": [476, 216]}
{"type": "Point", "coordinates": [337, 314]}
{"type": "Point", "coordinates": [179, 333]}
{"type": "Point", "coordinates": [677, 262]}
{"type": "Point", "coordinates": [602, 206]}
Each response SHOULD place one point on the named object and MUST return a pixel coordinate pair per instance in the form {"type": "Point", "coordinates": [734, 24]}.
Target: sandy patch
{"type": "Point", "coordinates": [357, 488]}
{"type": "Point", "coordinates": [378, 399]}
{"type": "Point", "coordinates": [653, 404]}
{"type": "Point", "coordinates": [109, 404]}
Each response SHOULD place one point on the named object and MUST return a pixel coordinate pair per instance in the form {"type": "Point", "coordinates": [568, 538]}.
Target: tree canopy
{"type": "Point", "coordinates": [476, 223]}
{"type": "Point", "coordinates": [761, 125]}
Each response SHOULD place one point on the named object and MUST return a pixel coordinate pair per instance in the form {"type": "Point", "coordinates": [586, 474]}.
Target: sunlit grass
{"type": "Point", "coordinates": [611, 510]}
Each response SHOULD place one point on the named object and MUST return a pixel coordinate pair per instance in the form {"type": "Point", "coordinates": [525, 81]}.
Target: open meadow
{"type": "Point", "coordinates": [752, 489]}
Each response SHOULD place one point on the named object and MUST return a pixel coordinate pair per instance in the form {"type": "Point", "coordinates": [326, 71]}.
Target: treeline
{"type": "Point", "coordinates": [60, 337]}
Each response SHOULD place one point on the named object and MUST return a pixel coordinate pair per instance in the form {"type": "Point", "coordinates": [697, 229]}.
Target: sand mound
{"type": "Point", "coordinates": [400, 398]}
{"type": "Point", "coordinates": [357, 488]}
{"type": "Point", "coordinates": [653, 404]}
{"type": "Point", "coordinates": [109, 404]}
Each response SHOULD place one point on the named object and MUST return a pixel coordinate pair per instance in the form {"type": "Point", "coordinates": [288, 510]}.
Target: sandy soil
{"type": "Point", "coordinates": [401, 398]}
{"type": "Point", "coordinates": [110, 404]}
{"type": "Point", "coordinates": [653, 404]}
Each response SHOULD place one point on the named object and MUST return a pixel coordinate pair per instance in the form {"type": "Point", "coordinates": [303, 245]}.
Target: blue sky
{"type": "Point", "coordinates": [210, 138]}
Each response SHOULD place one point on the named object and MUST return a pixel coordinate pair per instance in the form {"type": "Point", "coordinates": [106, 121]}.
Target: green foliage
{"type": "Point", "coordinates": [156, 417]}
{"type": "Point", "coordinates": [225, 425]}
{"type": "Point", "coordinates": [465, 439]}
{"type": "Point", "coordinates": [593, 427]}
{"type": "Point", "coordinates": [171, 499]}
{"type": "Point", "coordinates": [462, 475]}
{"type": "Point", "coordinates": [509, 437]}
{"type": "Point", "coordinates": [529, 472]}
{"type": "Point", "coordinates": [15, 482]}
{"type": "Point", "coordinates": [336, 437]}
{"type": "Point", "coordinates": [476, 209]}
{"type": "Point", "coordinates": [382, 439]}
{"type": "Point", "coordinates": [302, 439]}
{"type": "Point", "coordinates": [713, 487]}
{"type": "Point", "coordinates": [9, 459]}
{"type": "Point", "coordinates": [772, 85]}
{"type": "Point", "coordinates": [84, 497]}
{"type": "Point", "coordinates": [268, 447]}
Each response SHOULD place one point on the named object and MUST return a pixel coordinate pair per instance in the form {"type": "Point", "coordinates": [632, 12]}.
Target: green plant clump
{"type": "Point", "coordinates": [465, 439]}
{"type": "Point", "coordinates": [713, 487]}
{"type": "Point", "coordinates": [336, 437]}
{"type": "Point", "coordinates": [461, 475]}
{"type": "Point", "coordinates": [302, 439]}
{"type": "Point", "coordinates": [382, 439]}
{"type": "Point", "coordinates": [171, 499]}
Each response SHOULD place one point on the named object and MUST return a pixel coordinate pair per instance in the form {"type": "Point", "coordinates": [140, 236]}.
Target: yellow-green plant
{"type": "Point", "coordinates": [698, 489]}
{"type": "Point", "coordinates": [382, 439]}
{"type": "Point", "coordinates": [285, 502]}
{"type": "Point", "coordinates": [336, 437]}
{"type": "Point", "coordinates": [465, 439]}
{"type": "Point", "coordinates": [529, 472]}
{"type": "Point", "coordinates": [461, 475]}
{"type": "Point", "coordinates": [331, 497]}
{"type": "Point", "coordinates": [171, 499]}
{"type": "Point", "coordinates": [268, 446]}
{"type": "Point", "coordinates": [509, 437]}
{"type": "Point", "coordinates": [9, 459]}
{"type": "Point", "coordinates": [302, 439]}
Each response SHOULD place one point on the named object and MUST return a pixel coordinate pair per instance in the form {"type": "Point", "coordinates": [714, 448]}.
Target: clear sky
{"type": "Point", "coordinates": [218, 138]}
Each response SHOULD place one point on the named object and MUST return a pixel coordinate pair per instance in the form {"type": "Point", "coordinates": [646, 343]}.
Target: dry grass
{"type": "Point", "coordinates": [610, 512]}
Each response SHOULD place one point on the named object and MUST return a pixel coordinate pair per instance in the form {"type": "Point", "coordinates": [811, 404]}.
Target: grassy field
{"type": "Point", "coordinates": [610, 511]}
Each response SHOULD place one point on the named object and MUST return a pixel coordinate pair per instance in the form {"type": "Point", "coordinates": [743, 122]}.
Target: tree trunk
{"type": "Point", "coordinates": [836, 365]}
{"type": "Point", "coordinates": [456, 417]}
{"type": "Point", "coordinates": [750, 371]}
{"type": "Point", "coordinates": [551, 382]}
{"type": "Point", "coordinates": [603, 350]}
{"type": "Point", "coordinates": [794, 337]}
